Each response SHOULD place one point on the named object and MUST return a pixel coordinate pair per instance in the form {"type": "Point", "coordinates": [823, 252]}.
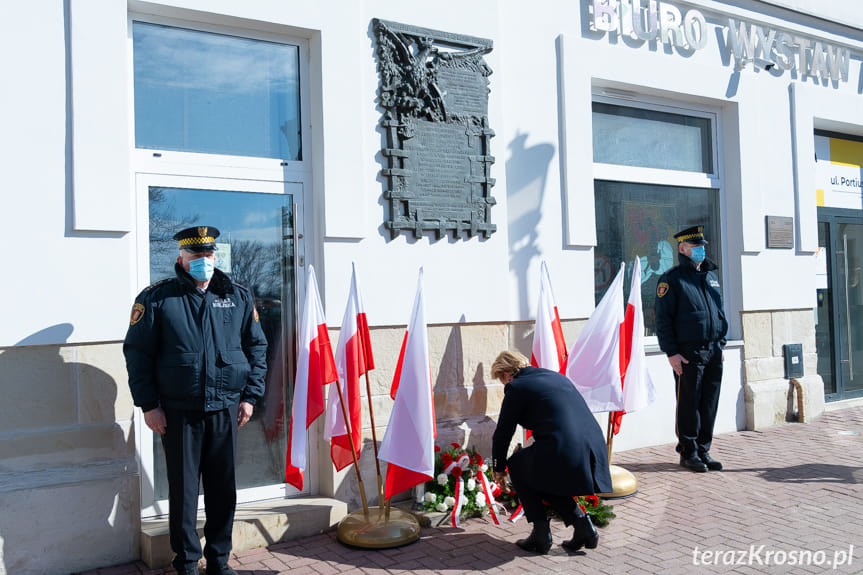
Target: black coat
{"type": "Point", "coordinates": [688, 306]}
{"type": "Point", "coordinates": [569, 455]}
{"type": "Point", "coordinates": [188, 350]}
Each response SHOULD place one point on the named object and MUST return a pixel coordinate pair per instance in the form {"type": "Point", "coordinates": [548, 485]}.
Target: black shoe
{"type": "Point", "coordinates": [693, 463]}
{"type": "Point", "coordinates": [583, 535]}
{"type": "Point", "coordinates": [220, 569]}
{"type": "Point", "coordinates": [539, 541]}
{"type": "Point", "coordinates": [711, 463]}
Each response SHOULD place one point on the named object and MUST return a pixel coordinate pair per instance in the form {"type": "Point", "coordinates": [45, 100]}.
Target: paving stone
{"type": "Point", "coordinates": [794, 487]}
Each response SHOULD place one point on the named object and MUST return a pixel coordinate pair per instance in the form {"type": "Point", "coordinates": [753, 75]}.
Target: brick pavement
{"type": "Point", "coordinates": [791, 497]}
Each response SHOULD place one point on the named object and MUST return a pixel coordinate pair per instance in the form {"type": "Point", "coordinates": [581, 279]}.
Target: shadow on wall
{"type": "Point", "coordinates": [68, 487]}
{"type": "Point", "coordinates": [460, 408]}
{"type": "Point", "coordinates": [526, 177]}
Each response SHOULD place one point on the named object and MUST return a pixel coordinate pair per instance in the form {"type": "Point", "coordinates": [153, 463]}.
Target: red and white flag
{"type": "Point", "coordinates": [353, 360]}
{"type": "Point", "coordinates": [316, 367]}
{"type": "Point", "coordinates": [594, 360]}
{"type": "Point", "coordinates": [408, 444]}
{"type": "Point", "coordinates": [638, 390]}
{"type": "Point", "coordinates": [549, 349]}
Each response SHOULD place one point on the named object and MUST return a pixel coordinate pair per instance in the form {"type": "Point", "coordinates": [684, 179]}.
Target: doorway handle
{"type": "Point", "coordinates": [848, 307]}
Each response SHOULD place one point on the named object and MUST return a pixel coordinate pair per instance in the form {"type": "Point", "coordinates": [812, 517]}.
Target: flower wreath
{"type": "Point", "coordinates": [464, 487]}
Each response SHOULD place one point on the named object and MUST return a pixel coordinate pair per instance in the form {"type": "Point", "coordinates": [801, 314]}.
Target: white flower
{"type": "Point", "coordinates": [483, 467]}
{"type": "Point", "coordinates": [442, 479]}
{"type": "Point", "coordinates": [449, 502]}
{"type": "Point", "coordinates": [481, 500]}
{"type": "Point", "coordinates": [441, 507]}
{"type": "Point", "coordinates": [471, 484]}
{"type": "Point", "coordinates": [430, 497]}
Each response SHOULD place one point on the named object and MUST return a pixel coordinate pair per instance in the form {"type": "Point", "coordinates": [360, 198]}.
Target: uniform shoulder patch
{"type": "Point", "coordinates": [661, 289]}
{"type": "Point", "coordinates": [137, 313]}
{"type": "Point", "coordinates": [157, 284]}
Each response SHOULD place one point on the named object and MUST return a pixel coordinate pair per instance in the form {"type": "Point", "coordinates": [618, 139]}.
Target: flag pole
{"type": "Point", "coordinates": [623, 482]}
{"type": "Point", "coordinates": [353, 450]}
{"type": "Point", "coordinates": [609, 434]}
{"type": "Point", "coordinates": [374, 434]}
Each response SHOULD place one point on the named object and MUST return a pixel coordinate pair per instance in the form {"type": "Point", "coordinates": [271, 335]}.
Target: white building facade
{"type": "Point", "coordinates": [616, 124]}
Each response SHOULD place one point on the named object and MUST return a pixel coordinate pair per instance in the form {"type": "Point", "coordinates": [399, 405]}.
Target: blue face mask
{"type": "Point", "coordinates": [698, 254]}
{"type": "Point", "coordinates": [202, 269]}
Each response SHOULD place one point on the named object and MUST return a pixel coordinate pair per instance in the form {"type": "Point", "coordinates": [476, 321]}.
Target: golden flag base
{"type": "Point", "coordinates": [375, 531]}
{"type": "Point", "coordinates": [623, 483]}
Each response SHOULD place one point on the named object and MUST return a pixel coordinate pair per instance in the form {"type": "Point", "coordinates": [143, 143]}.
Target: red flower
{"type": "Point", "coordinates": [456, 471]}
{"type": "Point", "coordinates": [436, 449]}
{"type": "Point", "coordinates": [446, 459]}
{"type": "Point", "coordinates": [592, 500]}
{"type": "Point", "coordinates": [456, 445]}
{"type": "Point", "coordinates": [477, 458]}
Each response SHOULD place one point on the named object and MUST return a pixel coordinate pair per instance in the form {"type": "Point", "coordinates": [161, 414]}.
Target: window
{"type": "Point", "coordinates": [216, 94]}
{"type": "Point", "coordinates": [651, 139]}
{"type": "Point", "coordinates": [654, 175]}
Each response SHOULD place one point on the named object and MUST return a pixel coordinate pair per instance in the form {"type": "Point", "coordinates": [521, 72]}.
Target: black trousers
{"type": "Point", "coordinates": [531, 494]}
{"type": "Point", "coordinates": [698, 399]}
{"type": "Point", "coordinates": [201, 447]}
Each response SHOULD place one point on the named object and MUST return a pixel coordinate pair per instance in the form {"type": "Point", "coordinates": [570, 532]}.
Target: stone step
{"type": "Point", "coordinates": [256, 524]}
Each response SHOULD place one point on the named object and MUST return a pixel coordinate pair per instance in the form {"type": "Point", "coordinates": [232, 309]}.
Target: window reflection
{"type": "Point", "coordinates": [256, 250]}
{"type": "Point", "coordinates": [212, 93]}
{"type": "Point", "coordinates": [641, 220]}
{"type": "Point", "coordinates": [630, 136]}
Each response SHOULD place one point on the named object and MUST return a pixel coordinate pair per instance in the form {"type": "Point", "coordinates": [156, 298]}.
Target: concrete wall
{"type": "Point", "coordinates": [545, 70]}
{"type": "Point", "coordinates": [770, 398]}
{"type": "Point", "coordinates": [69, 480]}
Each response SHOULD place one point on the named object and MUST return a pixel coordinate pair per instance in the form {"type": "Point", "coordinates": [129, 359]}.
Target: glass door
{"type": "Point", "coordinates": [839, 332]}
{"type": "Point", "coordinates": [257, 249]}
{"type": "Point", "coordinates": [850, 303]}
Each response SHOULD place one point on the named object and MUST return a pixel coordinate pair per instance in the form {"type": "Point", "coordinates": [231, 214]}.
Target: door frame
{"type": "Point", "coordinates": [150, 507]}
{"type": "Point", "coordinates": [838, 342]}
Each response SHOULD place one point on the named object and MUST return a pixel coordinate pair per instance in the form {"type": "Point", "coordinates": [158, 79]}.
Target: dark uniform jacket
{"type": "Point", "coordinates": [190, 350]}
{"type": "Point", "coordinates": [689, 310]}
{"type": "Point", "coordinates": [569, 455]}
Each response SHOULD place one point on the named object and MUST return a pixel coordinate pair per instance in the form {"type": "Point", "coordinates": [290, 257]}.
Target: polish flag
{"type": "Point", "coordinates": [638, 390]}
{"type": "Point", "coordinates": [315, 369]}
{"type": "Point", "coordinates": [408, 444]}
{"type": "Point", "coordinates": [594, 360]}
{"type": "Point", "coordinates": [549, 349]}
{"type": "Point", "coordinates": [353, 360]}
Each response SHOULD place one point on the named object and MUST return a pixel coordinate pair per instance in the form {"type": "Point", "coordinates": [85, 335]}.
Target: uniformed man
{"type": "Point", "coordinates": [691, 328]}
{"type": "Point", "coordinates": [196, 358]}
{"type": "Point", "coordinates": [567, 458]}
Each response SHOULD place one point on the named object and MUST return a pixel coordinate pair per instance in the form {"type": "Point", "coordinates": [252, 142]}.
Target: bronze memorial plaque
{"type": "Point", "coordinates": [780, 232]}
{"type": "Point", "coordinates": [436, 151]}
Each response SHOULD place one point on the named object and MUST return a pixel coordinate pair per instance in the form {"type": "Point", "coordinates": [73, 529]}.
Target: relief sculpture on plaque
{"type": "Point", "coordinates": [436, 137]}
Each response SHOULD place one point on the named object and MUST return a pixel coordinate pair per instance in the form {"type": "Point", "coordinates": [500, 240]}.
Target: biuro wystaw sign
{"type": "Point", "coordinates": [687, 29]}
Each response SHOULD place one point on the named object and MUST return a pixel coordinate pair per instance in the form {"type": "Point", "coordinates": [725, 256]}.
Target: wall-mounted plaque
{"type": "Point", "coordinates": [780, 232]}
{"type": "Point", "coordinates": [436, 154]}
